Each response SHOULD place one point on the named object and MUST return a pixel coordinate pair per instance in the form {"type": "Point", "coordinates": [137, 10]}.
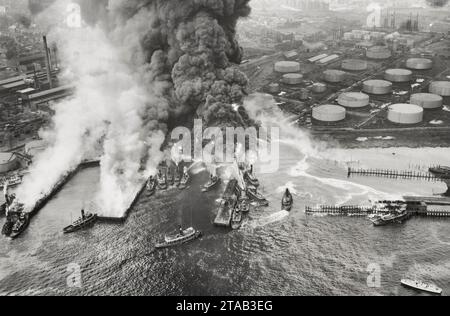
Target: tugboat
{"type": "Point", "coordinates": [20, 225]}
{"type": "Point", "coordinates": [421, 286]}
{"type": "Point", "coordinates": [212, 183]}
{"type": "Point", "coordinates": [244, 204]}
{"type": "Point", "coordinates": [287, 201]}
{"type": "Point", "coordinates": [443, 172]}
{"type": "Point", "coordinates": [170, 178]}
{"type": "Point", "coordinates": [177, 177]}
{"type": "Point", "coordinates": [11, 181]}
{"type": "Point", "coordinates": [184, 236]}
{"type": "Point", "coordinates": [184, 179]}
{"type": "Point", "coordinates": [257, 197]}
{"type": "Point", "coordinates": [394, 217]}
{"type": "Point", "coordinates": [162, 181]}
{"type": "Point", "coordinates": [236, 220]}
{"type": "Point", "coordinates": [84, 221]}
{"type": "Point", "coordinates": [250, 178]}
{"type": "Point", "coordinates": [151, 186]}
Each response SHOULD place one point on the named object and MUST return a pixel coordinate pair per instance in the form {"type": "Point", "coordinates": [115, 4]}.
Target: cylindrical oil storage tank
{"type": "Point", "coordinates": [354, 100]}
{"type": "Point", "coordinates": [319, 87]}
{"type": "Point", "coordinates": [334, 76]}
{"type": "Point", "coordinates": [427, 100]}
{"type": "Point", "coordinates": [329, 113]}
{"type": "Point", "coordinates": [287, 67]}
{"type": "Point", "coordinates": [419, 63]}
{"type": "Point", "coordinates": [8, 162]}
{"type": "Point", "coordinates": [354, 65]}
{"type": "Point", "coordinates": [377, 87]}
{"type": "Point", "coordinates": [292, 79]}
{"type": "Point", "coordinates": [441, 88]}
{"type": "Point", "coordinates": [398, 75]}
{"type": "Point", "coordinates": [405, 113]}
{"type": "Point", "coordinates": [274, 88]}
{"type": "Point", "coordinates": [378, 52]}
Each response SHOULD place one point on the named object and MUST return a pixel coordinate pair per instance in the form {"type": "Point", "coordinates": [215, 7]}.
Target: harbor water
{"type": "Point", "coordinates": [274, 253]}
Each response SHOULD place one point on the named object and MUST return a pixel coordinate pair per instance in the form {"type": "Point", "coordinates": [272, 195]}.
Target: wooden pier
{"type": "Point", "coordinates": [359, 211]}
{"type": "Point", "coordinates": [394, 174]}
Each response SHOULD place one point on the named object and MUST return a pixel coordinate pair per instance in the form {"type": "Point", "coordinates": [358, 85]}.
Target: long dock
{"type": "Point", "coordinates": [415, 206]}
{"type": "Point", "coordinates": [59, 185]}
{"type": "Point", "coordinates": [394, 174]}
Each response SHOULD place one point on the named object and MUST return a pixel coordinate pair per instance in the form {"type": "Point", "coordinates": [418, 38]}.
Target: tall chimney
{"type": "Point", "coordinates": [47, 63]}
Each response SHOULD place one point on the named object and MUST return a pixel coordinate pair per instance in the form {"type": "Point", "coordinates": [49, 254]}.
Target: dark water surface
{"type": "Point", "coordinates": [274, 253]}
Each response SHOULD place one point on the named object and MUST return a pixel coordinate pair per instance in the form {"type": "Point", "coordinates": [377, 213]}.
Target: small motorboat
{"type": "Point", "coordinates": [421, 286]}
{"type": "Point", "coordinates": [212, 183]}
{"type": "Point", "coordinates": [84, 221]}
{"type": "Point", "coordinates": [184, 236]}
{"type": "Point", "coordinates": [287, 202]}
{"type": "Point", "coordinates": [152, 184]}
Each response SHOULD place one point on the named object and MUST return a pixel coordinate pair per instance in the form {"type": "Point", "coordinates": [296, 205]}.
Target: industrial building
{"type": "Point", "coordinates": [405, 114]}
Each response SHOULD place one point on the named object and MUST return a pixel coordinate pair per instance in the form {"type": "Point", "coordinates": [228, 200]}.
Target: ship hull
{"type": "Point", "coordinates": [179, 243]}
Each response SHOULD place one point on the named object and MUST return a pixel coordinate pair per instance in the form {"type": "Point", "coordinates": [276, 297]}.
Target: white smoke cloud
{"type": "Point", "coordinates": [109, 110]}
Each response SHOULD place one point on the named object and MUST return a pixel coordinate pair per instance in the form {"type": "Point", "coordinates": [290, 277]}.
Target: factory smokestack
{"type": "Point", "coordinates": [48, 64]}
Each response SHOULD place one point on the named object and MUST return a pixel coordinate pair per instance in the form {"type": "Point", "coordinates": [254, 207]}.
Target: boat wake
{"type": "Point", "coordinates": [268, 220]}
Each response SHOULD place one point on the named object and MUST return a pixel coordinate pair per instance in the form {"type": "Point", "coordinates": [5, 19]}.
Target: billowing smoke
{"type": "Point", "coordinates": [137, 66]}
{"type": "Point", "coordinates": [437, 3]}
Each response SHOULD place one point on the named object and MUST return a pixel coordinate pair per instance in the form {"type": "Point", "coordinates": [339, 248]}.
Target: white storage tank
{"type": "Point", "coordinates": [319, 87]}
{"type": "Point", "coordinates": [334, 76]}
{"type": "Point", "coordinates": [419, 63]}
{"type": "Point", "coordinates": [427, 100]}
{"type": "Point", "coordinates": [405, 114]}
{"type": "Point", "coordinates": [354, 65]}
{"type": "Point", "coordinates": [292, 79]}
{"type": "Point", "coordinates": [441, 88]}
{"type": "Point", "coordinates": [354, 100]}
{"type": "Point", "coordinates": [8, 162]}
{"type": "Point", "coordinates": [398, 75]}
{"type": "Point", "coordinates": [378, 52]}
{"type": "Point", "coordinates": [287, 66]}
{"type": "Point", "coordinates": [378, 87]}
{"type": "Point", "coordinates": [329, 113]}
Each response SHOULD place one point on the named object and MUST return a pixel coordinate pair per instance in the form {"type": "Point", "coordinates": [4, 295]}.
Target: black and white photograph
{"type": "Point", "coordinates": [225, 153]}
